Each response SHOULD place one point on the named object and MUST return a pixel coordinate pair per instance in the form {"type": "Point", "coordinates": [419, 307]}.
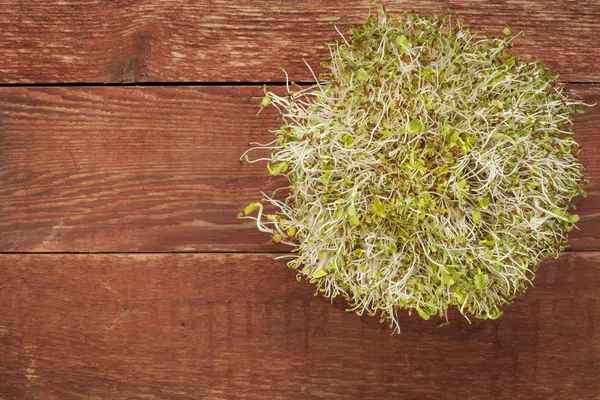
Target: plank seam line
{"type": "Point", "coordinates": [138, 252]}
{"type": "Point", "coordinates": [152, 84]}
{"type": "Point", "coordinates": [583, 251]}
{"type": "Point", "coordinates": [184, 84]}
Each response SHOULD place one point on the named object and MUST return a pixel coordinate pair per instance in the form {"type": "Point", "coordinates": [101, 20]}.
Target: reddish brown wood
{"type": "Point", "coordinates": [156, 169]}
{"type": "Point", "coordinates": [240, 326]}
{"type": "Point", "coordinates": [206, 40]}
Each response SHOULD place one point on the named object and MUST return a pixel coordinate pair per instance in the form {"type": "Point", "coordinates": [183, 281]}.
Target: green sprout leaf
{"type": "Point", "coordinates": [447, 278]}
{"type": "Point", "coordinates": [402, 44]}
{"type": "Point", "coordinates": [480, 281]}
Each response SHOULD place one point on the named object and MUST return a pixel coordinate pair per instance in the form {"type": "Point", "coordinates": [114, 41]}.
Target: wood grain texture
{"type": "Point", "coordinates": [240, 326]}
{"type": "Point", "coordinates": [154, 169]}
{"type": "Point", "coordinates": [219, 40]}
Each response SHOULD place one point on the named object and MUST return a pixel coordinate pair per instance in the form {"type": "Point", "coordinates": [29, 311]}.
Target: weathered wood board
{"type": "Point", "coordinates": [157, 169]}
{"type": "Point", "coordinates": [107, 41]}
{"type": "Point", "coordinates": [216, 326]}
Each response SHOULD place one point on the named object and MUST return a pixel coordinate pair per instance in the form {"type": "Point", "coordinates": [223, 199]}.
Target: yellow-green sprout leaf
{"type": "Point", "coordinates": [277, 237]}
{"type": "Point", "coordinates": [278, 169]}
{"type": "Point", "coordinates": [460, 296]}
{"type": "Point", "coordinates": [291, 231]}
{"type": "Point", "coordinates": [476, 216]}
{"type": "Point", "coordinates": [347, 140]}
{"type": "Point", "coordinates": [447, 278]}
{"type": "Point", "coordinates": [423, 314]}
{"type": "Point", "coordinates": [498, 104]}
{"type": "Point", "coordinates": [358, 252]}
{"type": "Point", "coordinates": [489, 240]}
{"type": "Point", "coordinates": [361, 76]}
{"type": "Point", "coordinates": [319, 273]}
{"type": "Point", "coordinates": [251, 207]}
{"type": "Point", "coordinates": [480, 281]}
{"type": "Point", "coordinates": [416, 126]}
{"type": "Point", "coordinates": [354, 221]}
{"type": "Point", "coordinates": [507, 31]}
{"type": "Point", "coordinates": [265, 101]}
{"type": "Point", "coordinates": [495, 315]}
{"type": "Point", "coordinates": [379, 209]}
{"type": "Point", "coordinates": [351, 211]}
{"type": "Point", "coordinates": [574, 218]}
{"type": "Point", "coordinates": [484, 203]}
{"type": "Point", "coordinates": [282, 167]}
{"type": "Point", "coordinates": [402, 43]}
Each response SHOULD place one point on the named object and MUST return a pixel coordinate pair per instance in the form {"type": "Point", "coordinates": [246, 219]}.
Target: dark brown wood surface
{"type": "Point", "coordinates": [245, 41]}
{"type": "Point", "coordinates": [211, 326]}
{"type": "Point", "coordinates": [134, 173]}
{"type": "Point", "coordinates": [151, 169]}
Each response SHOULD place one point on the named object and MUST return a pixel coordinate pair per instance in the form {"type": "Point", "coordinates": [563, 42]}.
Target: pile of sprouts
{"type": "Point", "coordinates": [428, 168]}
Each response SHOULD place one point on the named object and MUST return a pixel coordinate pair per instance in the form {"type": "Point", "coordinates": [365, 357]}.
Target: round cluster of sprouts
{"type": "Point", "coordinates": [428, 168]}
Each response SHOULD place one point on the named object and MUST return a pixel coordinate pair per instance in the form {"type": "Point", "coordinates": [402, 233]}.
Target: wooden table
{"type": "Point", "coordinates": [124, 273]}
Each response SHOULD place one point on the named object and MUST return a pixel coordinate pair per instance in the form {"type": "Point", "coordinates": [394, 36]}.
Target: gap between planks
{"type": "Point", "coordinates": [197, 84]}
{"type": "Point", "coordinates": [208, 252]}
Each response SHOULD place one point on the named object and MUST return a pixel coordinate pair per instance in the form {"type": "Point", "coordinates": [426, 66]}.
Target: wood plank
{"type": "Point", "coordinates": [176, 326]}
{"type": "Point", "coordinates": [128, 169]}
{"type": "Point", "coordinates": [96, 169]}
{"type": "Point", "coordinates": [219, 40]}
